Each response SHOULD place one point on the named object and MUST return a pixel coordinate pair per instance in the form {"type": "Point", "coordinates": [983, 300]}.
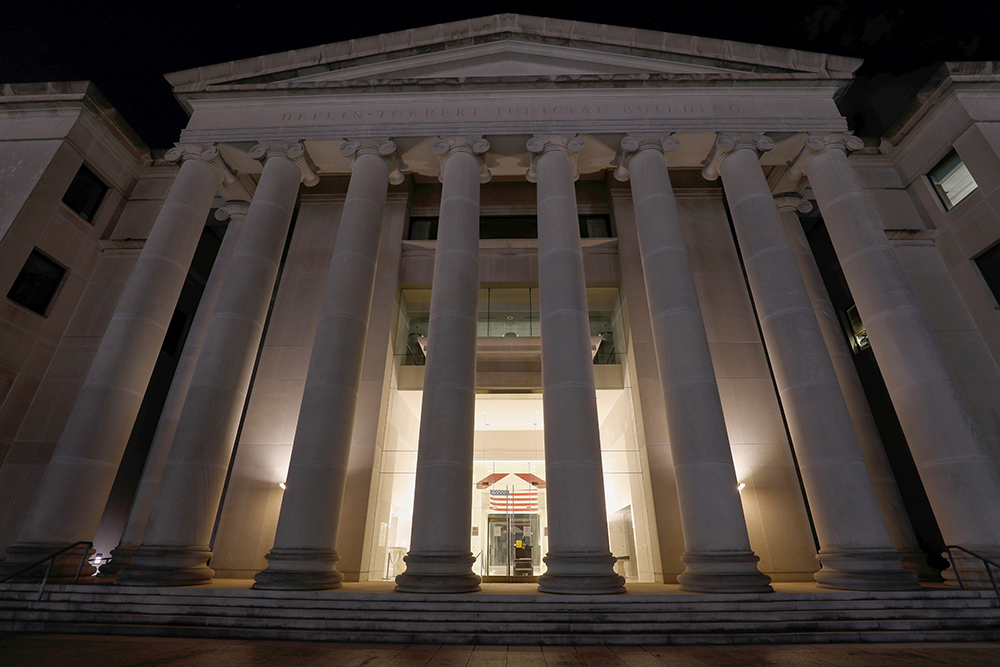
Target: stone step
{"type": "Point", "coordinates": [512, 618]}
{"type": "Point", "coordinates": [814, 636]}
{"type": "Point", "coordinates": [522, 626]}
{"type": "Point", "coordinates": [527, 613]}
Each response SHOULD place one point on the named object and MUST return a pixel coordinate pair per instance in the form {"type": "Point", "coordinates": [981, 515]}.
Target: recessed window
{"type": "Point", "coordinates": [510, 227]}
{"type": "Point", "coordinates": [989, 268]}
{"type": "Point", "coordinates": [85, 194]}
{"type": "Point", "coordinates": [952, 180]}
{"type": "Point", "coordinates": [37, 284]}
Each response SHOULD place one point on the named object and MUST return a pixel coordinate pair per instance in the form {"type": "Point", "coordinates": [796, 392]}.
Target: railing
{"type": "Point", "coordinates": [986, 561]}
{"type": "Point", "coordinates": [51, 558]}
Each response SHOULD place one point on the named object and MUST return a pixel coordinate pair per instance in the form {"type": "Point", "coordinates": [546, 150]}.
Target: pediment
{"type": "Point", "coordinates": [510, 47]}
{"type": "Point", "coordinates": [513, 57]}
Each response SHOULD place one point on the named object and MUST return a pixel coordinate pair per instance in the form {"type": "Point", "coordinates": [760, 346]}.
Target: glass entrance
{"type": "Point", "coordinates": [512, 551]}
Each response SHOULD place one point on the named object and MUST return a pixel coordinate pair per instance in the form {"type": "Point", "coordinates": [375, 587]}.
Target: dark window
{"type": "Point", "coordinates": [989, 267]}
{"type": "Point", "coordinates": [510, 227]}
{"type": "Point", "coordinates": [37, 283]}
{"type": "Point", "coordinates": [85, 194]}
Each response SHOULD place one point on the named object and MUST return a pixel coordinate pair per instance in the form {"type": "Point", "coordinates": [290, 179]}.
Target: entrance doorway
{"type": "Point", "coordinates": [513, 554]}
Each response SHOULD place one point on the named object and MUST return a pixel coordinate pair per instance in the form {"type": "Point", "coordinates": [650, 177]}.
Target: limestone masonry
{"type": "Point", "coordinates": [508, 299]}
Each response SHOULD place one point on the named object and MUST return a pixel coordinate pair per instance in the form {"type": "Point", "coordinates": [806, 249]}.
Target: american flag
{"type": "Point", "coordinates": [502, 500]}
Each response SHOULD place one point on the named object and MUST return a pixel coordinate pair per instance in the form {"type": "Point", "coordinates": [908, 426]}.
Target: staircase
{"type": "Point", "coordinates": [483, 618]}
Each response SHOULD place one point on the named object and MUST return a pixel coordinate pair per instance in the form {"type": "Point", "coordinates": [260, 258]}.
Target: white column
{"type": "Point", "coordinates": [175, 547]}
{"type": "Point", "coordinates": [855, 550]}
{"type": "Point", "coordinates": [961, 482]}
{"type": "Point", "coordinates": [304, 555]}
{"type": "Point", "coordinates": [440, 559]}
{"type": "Point", "coordinates": [717, 557]}
{"type": "Point", "coordinates": [579, 558]}
{"type": "Point", "coordinates": [152, 469]}
{"type": "Point", "coordinates": [77, 482]}
{"type": "Point", "coordinates": [897, 521]}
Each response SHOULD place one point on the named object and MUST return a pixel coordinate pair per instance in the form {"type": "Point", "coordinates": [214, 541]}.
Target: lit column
{"type": "Point", "coordinates": [855, 550]}
{"type": "Point", "coordinates": [958, 475]}
{"type": "Point", "coordinates": [77, 482]}
{"type": "Point", "coordinates": [717, 555]}
{"type": "Point", "coordinates": [152, 469]}
{"type": "Point", "coordinates": [304, 555]}
{"type": "Point", "coordinates": [893, 511]}
{"type": "Point", "coordinates": [579, 558]}
{"type": "Point", "coordinates": [175, 546]}
{"type": "Point", "coordinates": [439, 559]}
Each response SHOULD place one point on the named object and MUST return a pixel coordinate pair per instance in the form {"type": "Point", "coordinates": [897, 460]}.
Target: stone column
{"type": "Point", "coordinates": [897, 521]}
{"type": "Point", "coordinates": [718, 557]}
{"type": "Point", "coordinates": [152, 470]}
{"type": "Point", "coordinates": [579, 558]}
{"type": "Point", "coordinates": [961, 482]}
{"type": "Point", "coordinates": [175, 547]}
{"type": "Point", "coordinates": [304, 556]}
{"type": "Point", "coordinates": [77, 482]}
{"type": "Point", "coordinates": [440, 560]}
{"type": "Point", "coordinates": [855, 550]}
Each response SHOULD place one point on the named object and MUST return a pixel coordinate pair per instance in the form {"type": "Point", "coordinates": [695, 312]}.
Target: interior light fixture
{"type": "Point", "coordinates": [740, 487]}
{"type": "Point", "coordinates": [281, 485]}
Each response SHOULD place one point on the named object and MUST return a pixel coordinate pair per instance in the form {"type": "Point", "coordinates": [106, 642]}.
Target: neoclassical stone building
{"type": "Point", "coordinates": [508, 298]}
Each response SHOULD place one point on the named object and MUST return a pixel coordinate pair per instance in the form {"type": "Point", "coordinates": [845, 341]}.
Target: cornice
{"type": "Point", "coordinates": [397, 45]}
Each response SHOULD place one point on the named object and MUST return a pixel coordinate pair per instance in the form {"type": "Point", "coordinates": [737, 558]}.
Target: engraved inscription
{"type": "Point", "coordinates": [500, 111]}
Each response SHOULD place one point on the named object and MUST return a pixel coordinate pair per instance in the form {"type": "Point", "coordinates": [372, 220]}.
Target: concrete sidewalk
{"type": "Point", "coordinates": [112, 651]}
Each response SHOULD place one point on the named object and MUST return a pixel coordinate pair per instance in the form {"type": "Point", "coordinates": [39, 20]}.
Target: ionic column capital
{"type": "Point", "coordinates": [294, 151]}
{"type": "Point", "coordinates": [475, 146]}
{"type": "Point", "coordinates": [727, 143]}
{"type": "Point", "coordinates": [383, 148]}
{"type": "Point", "coordinates": [633, 143]}
{"type": "Point", "coordinates": [540, 144]}
{"type": "Point", "coordinates": [817, 143]}
{"type": "Point", "coordinates": [792, 201]}
{"type": "Point", "coordinates": [210, 155]}
{"type": "Point", "coordinates": [232, 210]}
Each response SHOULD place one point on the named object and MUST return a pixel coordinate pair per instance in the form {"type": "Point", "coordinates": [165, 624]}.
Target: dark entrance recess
{"type": "Point", "coordinates": [905, 471]}
{"type": "Point", "coordinates": [127, 481]}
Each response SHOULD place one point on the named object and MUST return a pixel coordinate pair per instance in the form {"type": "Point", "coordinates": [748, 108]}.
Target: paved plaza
{"type": "Point", "coordinates": [87, 651]}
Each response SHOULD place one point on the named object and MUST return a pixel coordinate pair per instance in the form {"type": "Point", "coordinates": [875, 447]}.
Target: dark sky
{"type": "Point", "coordinates": [126, 51]}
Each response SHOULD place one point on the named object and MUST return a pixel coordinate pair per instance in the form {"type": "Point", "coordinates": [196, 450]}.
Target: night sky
{"type": "Point", "coordinates": [126, 51]}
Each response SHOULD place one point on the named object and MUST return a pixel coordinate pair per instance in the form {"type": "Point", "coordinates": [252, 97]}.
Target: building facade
{"type": "Point", "coordinates": [509, 298]}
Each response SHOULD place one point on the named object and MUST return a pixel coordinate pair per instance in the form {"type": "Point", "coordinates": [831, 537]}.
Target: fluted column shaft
{"type": "Point", "coordinates": [175, 547]}
{"type": "Point", "coordinates": [717, 554]}
{"type": "Point", "coordinates": [579, 558]}
{"type": "Point", "coordinates": [78, 480]}
{"type": "Point", "coordinates": [855, 549]}
{"type": "Point", "coordinates": [440, 559]}
{"type": "Point", "coordinates": [152, 469]}
{"type": "Point", "coordinates": [304, 554]}
{"type": "Point", "coordinates": [897, 521]}
{"type": "Point", "coordinates": [961, 482]}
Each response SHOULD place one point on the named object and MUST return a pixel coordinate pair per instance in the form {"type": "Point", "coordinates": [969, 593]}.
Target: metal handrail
{"type": "Point", "coordinates": [51, 558]}
{"type": "Point", "coordinates": [986, 561]}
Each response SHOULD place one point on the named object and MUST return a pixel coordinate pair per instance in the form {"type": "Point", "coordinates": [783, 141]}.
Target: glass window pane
{"type": "Point", "coordinates": [36, 285]}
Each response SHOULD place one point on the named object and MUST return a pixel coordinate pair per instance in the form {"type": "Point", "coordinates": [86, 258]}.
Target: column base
{"type": "Point", "coordinates": [864, 570]}
{"type": "Point", "coordinates": [581, 574]}
{"type": "Point", "coordinates": [438, 573]}
{"type": "Point", "coordinates": [121, 557]}
{"type": "Point", "coordinates": [63, 569]}
{"type": "Point", "coordinates": [971, 569]}
{"type": "Point", "coordinates": [916, 562]}
{"type": "Point", "coordinates": [723, 572]}
{"type": "Point", "coordinates": [299, 570]}
{"type": "Point", "coordinates": [167, 566]}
